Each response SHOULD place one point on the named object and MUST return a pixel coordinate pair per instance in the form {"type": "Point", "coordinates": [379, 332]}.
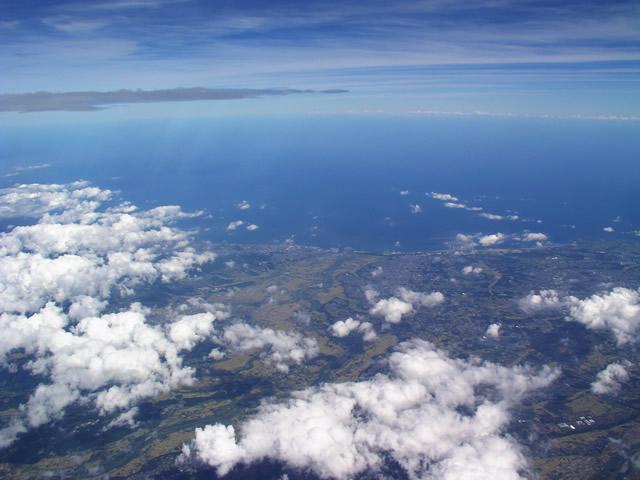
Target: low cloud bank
{"type": "Point", "coordinates": [93, 101]}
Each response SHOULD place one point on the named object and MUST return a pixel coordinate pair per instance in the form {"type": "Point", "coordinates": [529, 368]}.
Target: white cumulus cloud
{"type": "Point", "coordinates": [392, 309]}
{"type": "Point", "coordinates": [544, 300]}
{"type": "Point", "coordinates": [342, 328]}
{"type": "Point", "coordinates": [85, 250]}
{"type": "Point", "coordinates": [469, 269]}
{"type": "Point", "coordinates": [235, 224]}
{"type": "Point", "coordinates": [442, 196]}
{"type": "Point", "coordinates": [608, 380]}
{"type": "Point", "coordinates": [491, 216]}
{"type": "Point", "coordinates": [617, 310]}
{"type": "Point", "coordinates": [493, 330]}
{"type": "Point", "coordinates": [377, 272]}
{"type": "Point", "coordinates": [216, 354]}
{"type": "Point", "coordinates": [283, 347]}
{"type": "Point", "coordinates": [465, 241]}
{"type": "Point", "coordinates": [110, 361]}
{"type": "Point", "coordinates": [371, 294]}
{"type": "Point", "coordinates": [534, 237]}
{"type": "Point", "coordinates": [435, 416]}
{"type": "Point", "coordinates": [493, 239]}
{"type": "Point", "coordinates": [191, 329]}
{"type": "Point", "coordinates": [56, 279]}
{"type": "Point", "coordinates": [35, 200]}
{"type": "Point", "coordinates": [368, 333]}
{"type": "Point", "coordinates": [419, 298]}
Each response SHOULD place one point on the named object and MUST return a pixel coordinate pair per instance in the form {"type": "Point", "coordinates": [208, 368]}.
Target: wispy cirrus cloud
{"type": "Point", "coordinates": [435, 47]}
{"type": "Point", "coordinates": [18, 170]}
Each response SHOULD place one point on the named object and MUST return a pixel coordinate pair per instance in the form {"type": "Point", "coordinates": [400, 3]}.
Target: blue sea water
{"type": "Point", "coordinates": [337, 181]}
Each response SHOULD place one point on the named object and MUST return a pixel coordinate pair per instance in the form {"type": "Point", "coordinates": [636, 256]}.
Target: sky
{"type": "Point", "coordinates": [512, 57]}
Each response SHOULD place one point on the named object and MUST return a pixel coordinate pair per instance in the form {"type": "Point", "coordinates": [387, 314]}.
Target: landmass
{"type": "Point", "coordinates": [568, 431]}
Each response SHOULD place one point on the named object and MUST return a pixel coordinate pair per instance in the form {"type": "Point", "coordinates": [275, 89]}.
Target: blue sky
{"type": "Point", "coordinates": [420, 57]}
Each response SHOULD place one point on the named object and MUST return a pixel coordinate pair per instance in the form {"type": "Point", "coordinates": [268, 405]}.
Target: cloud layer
{"type": "Point", "coordinates": [91, 101]}
{"type": "Point", "coordinates": [56, 278]}
{"type": "Point", "coordinates": [550, 48]}
{"type": "Point", "coordinates": [77, 250]}
{"type": "Point", "coordinates": [435, 416]}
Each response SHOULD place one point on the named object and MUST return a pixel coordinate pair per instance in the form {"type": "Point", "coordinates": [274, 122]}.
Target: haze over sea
{"type": "Point", "coordinates": [344, 181]}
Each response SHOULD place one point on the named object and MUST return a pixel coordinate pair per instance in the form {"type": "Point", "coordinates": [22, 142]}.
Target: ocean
{"type": "Point", "coordinates": [353, 181]}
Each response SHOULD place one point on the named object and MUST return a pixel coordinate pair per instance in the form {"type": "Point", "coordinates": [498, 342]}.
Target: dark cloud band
{"type": "Point", "coordinates": [93, 101]}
